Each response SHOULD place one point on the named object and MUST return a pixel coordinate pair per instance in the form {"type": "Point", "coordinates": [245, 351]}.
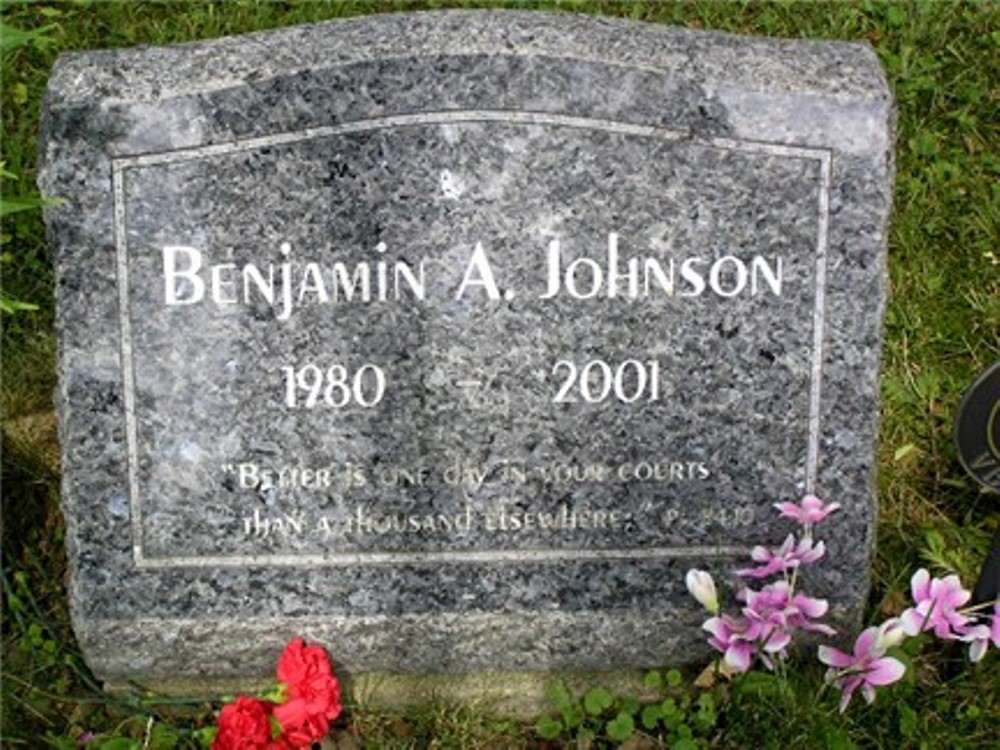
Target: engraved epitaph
{"type": "Point", "coordinates": [453, 339]}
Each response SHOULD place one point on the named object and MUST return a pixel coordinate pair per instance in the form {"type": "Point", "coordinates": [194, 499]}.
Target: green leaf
{"type": "Point", "coordinates": [685, 743]}
{"type": "Point", "coordinates": [835, 738]}
{"type": "Point", "coordinates": [548, 728]}
{"type": "Point", "coordinates": [669, 707]}
{"type": "Point", "coordinates": [706, 716]}
{"type": "Point", "coordinates": [163, 737]}
{"type": "Point", "coordinates": [13, 38]}
{"type": "Point", "coordinates": [629, 705]}
{"type": "Point", "coordinates": [896, 15]}
{"type": "Point", "coordinates": [758, 684]}
{"type": "Point", "coordinates": [205, 737]}
{"type": "Point", "coordinates": [59, 743]}
{"type": "Point", "coordinates": [278, 693]}
{"type": "Point", "coordinates": [621, 727]}
{"type": "Point", "coordinates": [673, 721]}
{"type": "Point", "coordinates": [653, 680]}
{"type": "Point", "coordinates": [674, 678]}
{"type": "Point", "coordinates": [910, 648]}
{"type": "Point", "coordinates": [924, 144]}
{"type": "Point", "coordinates": [560, 696]}
{"type": "Point", "coordinates": [651, 716]}
{"type": "Point", "coordinates": [903, 451]}
{"type": "Point", "coordinates": [10, 306]}
{"type": "Point", "coordinates": [908, 721]}
{"type": "Point", "coordinates": [120, 743]}
{"type": "Point", "coordinates": [572, 717]}
{"type": "Point", "coordinates": [10, 206]}
{"type": "Point", "coordinates": [35, 634]}
{"type": "Point", "coordinates": [597, 700]}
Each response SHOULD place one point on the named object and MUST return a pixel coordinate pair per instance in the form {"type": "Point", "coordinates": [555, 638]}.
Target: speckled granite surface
{"type": "Point", "coordinates": [601, 293]}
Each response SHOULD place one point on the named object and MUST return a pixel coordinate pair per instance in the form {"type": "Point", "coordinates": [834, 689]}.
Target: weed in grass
{"type": "Point", "coordinates": [669, 715]}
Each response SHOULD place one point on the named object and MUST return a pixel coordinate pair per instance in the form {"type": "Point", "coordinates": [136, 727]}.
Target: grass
{"type": "Point", "coordinates": [942, 327]}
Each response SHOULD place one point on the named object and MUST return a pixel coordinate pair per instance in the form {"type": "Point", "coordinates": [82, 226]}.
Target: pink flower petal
{"type": "Point", "coordinates": [913, 621]}
{"type": "Point", "coordinates": [789, 510]}
{"type": "Point", "coordinates": [977, 650]}
{"type": "Point", "coordinates": [777, 641]}
{"type": "Point", "coordinates": [848, 687]}
{"type": "Point", "coordinates": [947, 593]}
{"type": "Point", "coordinates": [884, 671]}
{"type": "Point", "coordinates": [717, 627]}
{"type": "Point", "coordinates": [811, 607]}
{"type": "Point", "coordinates": [738, 657]}
{"type": "Point", "coordinates": [835, 657]}
{"type": "Point", "coordinates": [863, 646]}
{"type": "Point", "coordinates": [811, 503]}
{"type": "Point", "coordinates": [920, 585]}
{"type": "Point", "coordinates": [818, 627]}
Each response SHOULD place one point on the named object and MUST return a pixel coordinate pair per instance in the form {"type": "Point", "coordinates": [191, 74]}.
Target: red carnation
{"type": "Point", "coordinates": [300, 662]}
{"type": "Point", "coordinates": [243, 725]}
{"type": "Point", "coordinates": [307, 672]}
{"type": "Point", "coordinates": [299, 725]}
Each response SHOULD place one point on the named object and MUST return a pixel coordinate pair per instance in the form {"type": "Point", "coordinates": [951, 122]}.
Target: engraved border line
{"type": "Point", "coordinates": [444, 556]}
{"type": "Point", "coordinates": [825, 157]}
{"type": "Point", "coordinates": [123, 163]}
{"type": "Point", "coordinates": [127, 360]}
{"type": "Point", "coordinates": [819, 320]}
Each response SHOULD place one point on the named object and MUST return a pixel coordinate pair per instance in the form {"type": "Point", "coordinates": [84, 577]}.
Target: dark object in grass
{"type": "Point", "coordinates": [988, 586]}
{"type": "Point", "coordinates": [977, 437]}
{"type": "Point", "coordinates": [977, 429]}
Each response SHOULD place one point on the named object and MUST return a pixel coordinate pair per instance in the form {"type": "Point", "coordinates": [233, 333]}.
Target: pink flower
{"type": "Point", "coordinates": [937, 600]}
{"type": "Point", "coordinates": [890, 634]}
{"type": "Point", "coordinates": [866, 668]}
{"type": "Point", "coordinates": [788, 556]}
{"type": "Point", "coordinates": [728, 636]}
{"type": "Point", "coordinates": [808, 511]}
{"type": "Point", "coordinates": [778, 606]}
{"type": "Point", "coordinates": [980, 636]}
{"type": "Point", "coordinates": [770, 618]}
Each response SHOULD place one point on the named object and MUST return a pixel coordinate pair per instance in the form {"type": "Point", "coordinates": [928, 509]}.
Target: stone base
{"type": "Point", "coordinates": [519, 695]}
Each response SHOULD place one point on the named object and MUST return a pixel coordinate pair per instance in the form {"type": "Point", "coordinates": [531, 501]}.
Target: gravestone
{"type": "Point", "coordinates": [452, 340]}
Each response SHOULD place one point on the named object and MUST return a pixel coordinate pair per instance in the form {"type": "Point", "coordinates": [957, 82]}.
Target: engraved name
{"type": "Point", "coordinates": [189, 278]}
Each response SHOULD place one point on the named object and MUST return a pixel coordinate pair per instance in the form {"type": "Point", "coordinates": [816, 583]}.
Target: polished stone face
{"type": "Point", "coordinates": [455, 339]}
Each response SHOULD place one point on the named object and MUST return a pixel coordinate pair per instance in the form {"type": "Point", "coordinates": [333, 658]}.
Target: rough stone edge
{"type": "Point", "coordinates": [146, 649]}
{"type": "Point", "coordinates": [760, 63]}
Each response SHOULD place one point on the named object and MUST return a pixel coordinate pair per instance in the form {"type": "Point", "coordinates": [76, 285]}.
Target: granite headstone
{"type": "Point", "coordinates": [452, 340]}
